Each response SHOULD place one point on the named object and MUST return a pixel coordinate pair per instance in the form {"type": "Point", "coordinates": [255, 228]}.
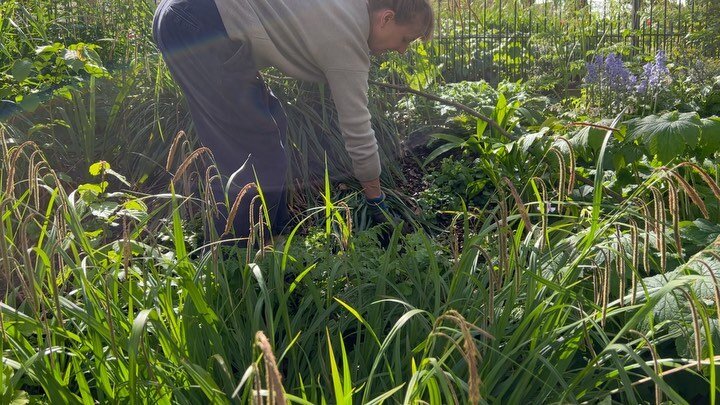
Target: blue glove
{"type": "Point", "coordinates": [378, 210]}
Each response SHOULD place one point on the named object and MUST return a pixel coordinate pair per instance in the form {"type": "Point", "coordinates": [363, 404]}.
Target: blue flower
{"type": "Point", "coordinates": [594, 70]}
{"type": "Point", "coordinates": [618, 75]}
{"type": "Point", "coordinates": [655, 75]}
{"type": "Point", "coordinates": [609, 71]}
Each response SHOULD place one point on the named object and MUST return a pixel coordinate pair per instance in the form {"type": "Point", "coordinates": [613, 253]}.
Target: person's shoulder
{"type": "Point", "coordinates": [344, 29]}
{"type": "Point", "coordinates": [344, 15]}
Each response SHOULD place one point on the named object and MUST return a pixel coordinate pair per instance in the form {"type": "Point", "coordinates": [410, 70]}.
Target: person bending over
{"type": "Point", "coordinates": [215, 48]}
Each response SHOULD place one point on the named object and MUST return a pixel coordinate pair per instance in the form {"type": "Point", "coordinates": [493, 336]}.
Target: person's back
{"type": "Point", "coordinates": [214, 49]}
{"type": "Point", "coordinates": [302, 38]}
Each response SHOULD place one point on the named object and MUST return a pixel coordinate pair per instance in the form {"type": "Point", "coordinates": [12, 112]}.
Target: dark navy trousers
{"type": "Point", "coordinates": [235, 114]}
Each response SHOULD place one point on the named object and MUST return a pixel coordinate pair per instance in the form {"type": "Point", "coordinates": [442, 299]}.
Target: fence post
{"type": "Point", "coordinates": [635, 25]}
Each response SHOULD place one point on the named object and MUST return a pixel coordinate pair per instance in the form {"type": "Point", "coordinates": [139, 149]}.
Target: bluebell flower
{"type": "Point", "coordinates": [618, 75]}
{"type": "Point", "coordinates": [609, 71]}
{"type": "Point", "coordinates": [655, 75]}
{"type": "Point", "coordinates": [594, 70]}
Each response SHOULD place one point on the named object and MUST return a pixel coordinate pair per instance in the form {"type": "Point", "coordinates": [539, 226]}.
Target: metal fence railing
{"type": "Point", "coordinates": [515, 39]}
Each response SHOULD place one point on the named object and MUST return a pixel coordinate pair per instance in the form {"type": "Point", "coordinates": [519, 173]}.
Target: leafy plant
{"type": "Point", "coordinates": [454, 183]}
{"type": "Point", "coordinates": [53, 72]}
{"type": "Point", "coordinates": [674, 134]}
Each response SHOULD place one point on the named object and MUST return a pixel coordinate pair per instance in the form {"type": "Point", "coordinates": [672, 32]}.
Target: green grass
{"type": "Point", "coordinates": [110, 294]}
{"type": "Point", "coordinates": [139, 313]}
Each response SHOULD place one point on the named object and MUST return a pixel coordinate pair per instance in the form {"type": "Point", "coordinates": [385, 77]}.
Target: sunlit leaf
{"type": "Point", "coordinates": [527, 141]}
{"type": "Point", "coordinates": [73, 59]}
{"type": "Point", "coordinates": [135, 205]}
{"type": "Point", "coordinates": [98, 167]}
{"type": "Point", "coordinates": [589, 138]}
{"type": "Point", "coordinates": [669, 135]}
{"type": "Point", "coordinates": [49, 48]}
{"type": "Point", "coordinates": [29, 102]}
{"type": "Point", "coordinates": [117, 175]}
{"type": "Point", "coordinates": [104, 209]}
{"type": "Point", "coordinates": [21, 69]}
{"type": "Point", "coordinates": [20, 398]}
{"type": "Point", "coordinates": [710, 138]}
{"type": "Point", "coordinates": [701, 232]}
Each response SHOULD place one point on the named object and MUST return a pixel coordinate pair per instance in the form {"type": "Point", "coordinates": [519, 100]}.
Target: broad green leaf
{"type": "Point", "coordinates": [480, 129]}
{"type": "Point", "coordinates": [117, 175]}
{"type": "Point", "coordinates": [29, 102]}
{"type": "Point", "coordinates": [96, 70]}
{"type": "Point", "coordinates": [63, 92]}
{"type": "Point", "coordinates": [710, 138]}
{"type": "Point", "coordinates": [21, 69]}
{"type": "Point", "coordinates": [91, 56]}
{"type": "Point", "coordinates": [104, 209]}
{"type": "Point", "coordinates": [97, 167]}
{"type": "Point", "coordinates": [673, 307]}
{"type": "Point", "coordinates": [701, 232]}
{"type": "Point", "coordinates": [93, 188]}
{"type": "Point", "coordinates": [73, 59]}
{"type": "Point", "coordinates": [501, 110]}
{"type": "Point", "coordinates": [49, 48]}
{"type": "Point", "coordinates": [93, 234]}
{"type": "Point", "coordinates": [589, 138]}
{"type": "Point", "coordinates": [527, 141]}
{"type": "Point", "coordinates": [135, 205]}
{"type": "Point", "coordinates": [669, 135]}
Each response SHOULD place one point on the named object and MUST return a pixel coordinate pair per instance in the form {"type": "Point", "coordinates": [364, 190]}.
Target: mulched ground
{"type": "Point", "coordinates": [414, 151]}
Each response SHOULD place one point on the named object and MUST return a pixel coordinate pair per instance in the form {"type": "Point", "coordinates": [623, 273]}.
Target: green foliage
{"type": "Point", "coordinates": [419, 74]}
{"type": "Point", "coordinates": [669, 135]}
{"type": "Point", "coordinates": [53, 72]}
{"type": "Point", "coordinates": [673, 313]}
{"type": "Point", "coordinates": [640, 144]}
{"type": "Point", "coordinates": [510, 314]}
{"type": "Point", "coordinates": [527, 296]}
{"type": "Point", "coordinates": [455, 183]}
{"type": "Point", "coordinates": [314, 135]}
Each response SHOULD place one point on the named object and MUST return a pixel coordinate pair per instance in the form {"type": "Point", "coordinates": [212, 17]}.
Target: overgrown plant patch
{"type": "Point", "coordinates": [544, 250]}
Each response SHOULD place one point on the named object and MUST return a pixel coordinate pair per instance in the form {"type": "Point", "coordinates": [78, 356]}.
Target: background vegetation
{"type": "Point", "coordinates": [560, 239]}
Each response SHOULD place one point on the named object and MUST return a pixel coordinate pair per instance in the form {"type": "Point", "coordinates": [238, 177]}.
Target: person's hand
{"type": "Point", "coordinates": [378, 210]}
{"type": "Point", "coordinates": [381, 215]}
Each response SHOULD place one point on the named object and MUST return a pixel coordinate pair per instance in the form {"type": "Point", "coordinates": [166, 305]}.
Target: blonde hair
{"type": "Point", "coordinates": [418, 12]}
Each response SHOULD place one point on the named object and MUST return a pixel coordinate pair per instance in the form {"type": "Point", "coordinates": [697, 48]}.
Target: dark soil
{"type": "Point", "coordinates": [414, 151]}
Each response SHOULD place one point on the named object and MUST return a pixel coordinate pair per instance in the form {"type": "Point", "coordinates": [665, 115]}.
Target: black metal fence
{"type": "Point", "coordinates": [519, 39]}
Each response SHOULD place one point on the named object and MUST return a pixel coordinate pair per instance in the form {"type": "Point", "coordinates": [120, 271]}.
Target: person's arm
{"type": "Point", "coordinates": [349, 89]}
{"type": "Point", "coordinates": [372, 189]}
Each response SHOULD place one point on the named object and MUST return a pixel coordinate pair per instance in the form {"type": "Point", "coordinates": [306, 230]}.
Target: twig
{"type": "Point", "coordinates": [589, 124]}
{"type": "Point", "coordinates": [455, 104]}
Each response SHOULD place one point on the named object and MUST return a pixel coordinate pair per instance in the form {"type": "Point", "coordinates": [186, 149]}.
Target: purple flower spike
{"type": "Point", "coordinates": [655, 75]}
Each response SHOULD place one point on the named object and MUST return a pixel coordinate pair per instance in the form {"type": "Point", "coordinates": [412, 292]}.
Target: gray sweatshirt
{"type": "Point", "coordinates": [320, 41]}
